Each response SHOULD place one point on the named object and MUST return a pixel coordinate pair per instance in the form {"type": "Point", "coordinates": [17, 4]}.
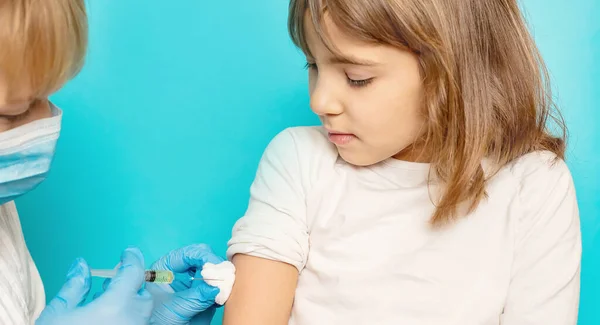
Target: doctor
{"type": "Point", "coordinates": [42, 46]}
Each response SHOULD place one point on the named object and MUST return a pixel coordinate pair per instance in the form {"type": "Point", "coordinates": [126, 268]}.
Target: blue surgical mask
{"type": "Point", "coordinates": [26, 153]}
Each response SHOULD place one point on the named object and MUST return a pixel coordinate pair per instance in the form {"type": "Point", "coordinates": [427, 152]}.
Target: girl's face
{"type": "Point", "coordinates": [18, 108]}
{"type": "Point", "coordinates": [368, 97]}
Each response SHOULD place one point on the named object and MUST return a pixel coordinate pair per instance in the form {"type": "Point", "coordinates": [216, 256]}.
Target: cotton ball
{"type": "Point", "coordinates": [222, 276]}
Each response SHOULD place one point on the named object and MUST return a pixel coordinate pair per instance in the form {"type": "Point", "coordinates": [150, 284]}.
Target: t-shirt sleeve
{"type": "Point", "coordinates": [545, 282]}
{"type": "Point", "coordinates": [274, 225]}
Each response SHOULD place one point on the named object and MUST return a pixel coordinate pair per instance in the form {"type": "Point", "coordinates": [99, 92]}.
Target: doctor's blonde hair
{"type": "Point", "coordinates": [487, 94]}
{"type": "Point", "coordinates": [42, 42]}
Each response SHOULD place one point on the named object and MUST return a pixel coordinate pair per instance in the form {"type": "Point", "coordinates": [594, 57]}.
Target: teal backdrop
{"type": "Point", "coordinates": [164, 127]}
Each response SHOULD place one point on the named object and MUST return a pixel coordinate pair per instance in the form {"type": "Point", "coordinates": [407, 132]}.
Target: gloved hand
{"type": "Point", "coordinates": [123, 302]}
{"type": "Point", "coordinates": [184, 301]}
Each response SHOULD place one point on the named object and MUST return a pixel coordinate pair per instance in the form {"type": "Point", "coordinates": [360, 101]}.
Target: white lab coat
{"type": "Point", "coordinates": [22, 297]}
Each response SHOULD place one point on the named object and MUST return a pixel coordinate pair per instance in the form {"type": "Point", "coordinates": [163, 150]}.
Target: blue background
{"type": "Point", "coordinates": [164, 127]}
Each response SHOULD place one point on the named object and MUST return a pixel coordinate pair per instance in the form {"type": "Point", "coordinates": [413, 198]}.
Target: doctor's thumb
{"type": "Point", "coordinates": [76, 288]}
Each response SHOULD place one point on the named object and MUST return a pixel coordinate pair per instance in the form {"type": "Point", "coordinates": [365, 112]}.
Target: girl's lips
{"type": "Point", "coordinates": [340, 139]}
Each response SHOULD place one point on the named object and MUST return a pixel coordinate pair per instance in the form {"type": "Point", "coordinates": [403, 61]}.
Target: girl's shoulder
{"type": "Point", "coordinates": [306, 144]}
{"type": "Point", "coordinates": [541, 179]}
{"type": "Point", "coordinates": [305, 152]}
{"type": "Point", "coordinates": [539, 165]}
{"type": "Point", "coordinates": [313, 138]}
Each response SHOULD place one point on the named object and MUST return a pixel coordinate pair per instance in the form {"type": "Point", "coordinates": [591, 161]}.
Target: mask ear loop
{"type": "Point", "coordinates": [54, 110]}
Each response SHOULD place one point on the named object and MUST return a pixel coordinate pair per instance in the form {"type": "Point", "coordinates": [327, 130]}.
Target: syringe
{"type": "Point", "coordinates": [155, 276]}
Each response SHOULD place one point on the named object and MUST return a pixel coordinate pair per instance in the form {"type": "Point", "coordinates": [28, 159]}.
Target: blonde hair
{"type": "Point", "coordinates": [486, 87]}
{"type": "Point", "coordinates": [42, 42]}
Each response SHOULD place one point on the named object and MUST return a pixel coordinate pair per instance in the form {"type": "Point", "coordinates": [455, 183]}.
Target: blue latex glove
{"type": "Point", "coordinates": [124, 301]}
{"type": "Point", "coordinates": [184, 301]}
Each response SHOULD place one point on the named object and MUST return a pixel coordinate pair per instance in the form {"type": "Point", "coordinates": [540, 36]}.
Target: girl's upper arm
{"type": "Point", "coordinates": [263, 292]}
{"type": "Point", "coordinates": [269, 244]}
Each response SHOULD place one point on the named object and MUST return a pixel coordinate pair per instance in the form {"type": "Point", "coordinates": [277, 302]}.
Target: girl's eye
{"type": "Point", "coordinates": [359, 83]}
{"type": "Point", "coordinates": [351, 82]}
{"type": "Point", "coordinates": [310, 66]}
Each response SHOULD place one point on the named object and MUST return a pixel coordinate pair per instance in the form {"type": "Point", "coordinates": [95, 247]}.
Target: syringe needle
{"type": "Point", "coordinates": [204, 279]}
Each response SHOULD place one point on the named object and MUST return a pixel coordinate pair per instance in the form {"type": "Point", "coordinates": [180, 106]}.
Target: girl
{"type": "Point", "coordinates": [434, 192]}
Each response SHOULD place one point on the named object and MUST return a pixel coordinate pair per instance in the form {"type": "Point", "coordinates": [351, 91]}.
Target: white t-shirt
{"type": "Point", "coordinates": [361, 241]}
{"type": "Point", "coordinates": [22, 296]}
